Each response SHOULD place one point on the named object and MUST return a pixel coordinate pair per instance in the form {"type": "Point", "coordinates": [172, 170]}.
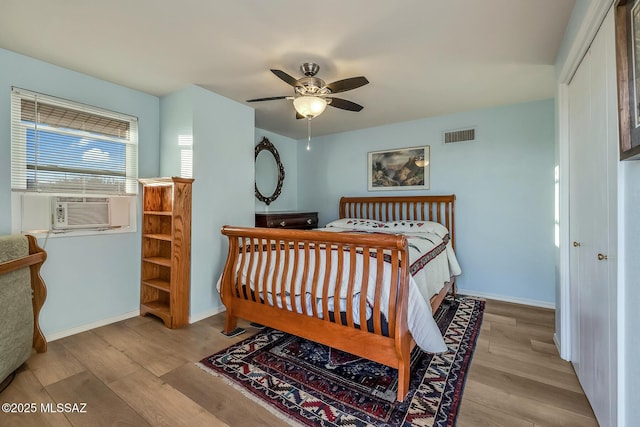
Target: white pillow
{"type": "Point", "coordinates": [404, 226]}
{"type": "Point", "coordinates": [356, 224]}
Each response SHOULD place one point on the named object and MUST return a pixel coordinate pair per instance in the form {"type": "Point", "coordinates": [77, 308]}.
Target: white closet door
{"type": "Point", "coordinates": [592, 134]}
{"type": "Point", "coordinates": [600, 315]}
{"type": "Point", "coordinates": [579, 115]}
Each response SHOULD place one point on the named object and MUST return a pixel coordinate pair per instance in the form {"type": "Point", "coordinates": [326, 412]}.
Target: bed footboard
{"type": "Point", "coordinates": [345, 290]}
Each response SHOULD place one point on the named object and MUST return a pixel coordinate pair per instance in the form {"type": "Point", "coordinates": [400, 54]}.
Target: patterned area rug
{"type": "Point", "coordinates": [310, 384]}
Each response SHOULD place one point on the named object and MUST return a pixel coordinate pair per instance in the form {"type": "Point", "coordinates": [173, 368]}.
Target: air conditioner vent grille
{"type": "Point", "coordinates": [87, 214]}
{"type": "Point", "coordinates": [460, 135]}
{"type": "Point", "coordinates": [80, 212]}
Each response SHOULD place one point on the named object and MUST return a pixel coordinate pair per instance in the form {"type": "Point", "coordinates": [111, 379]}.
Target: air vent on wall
{"type": "Point", "coordinates": [460, 135]}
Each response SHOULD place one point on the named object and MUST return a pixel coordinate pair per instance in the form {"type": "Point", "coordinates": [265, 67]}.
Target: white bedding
{"type": "Point", "coordinates": [429, 272]}
{"type": "Point", "coordinates": [431, 264]}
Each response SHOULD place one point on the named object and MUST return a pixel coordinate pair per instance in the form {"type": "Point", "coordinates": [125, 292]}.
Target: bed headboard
{"type": "Point", "coordinates": [392, 208]}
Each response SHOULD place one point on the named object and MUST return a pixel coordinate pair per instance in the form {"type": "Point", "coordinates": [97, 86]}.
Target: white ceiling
{"type": "Point", "coordinates": [422, 57]}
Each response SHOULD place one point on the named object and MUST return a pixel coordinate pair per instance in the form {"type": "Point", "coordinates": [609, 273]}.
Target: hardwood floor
{"type": "Point", "coordinates": [517, 377]}
{"type": "Point", "coordinates": [138, 373]}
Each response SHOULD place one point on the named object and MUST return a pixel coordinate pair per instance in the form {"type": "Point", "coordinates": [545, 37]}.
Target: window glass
{"type": "Point", "coordinates": [58, 146]}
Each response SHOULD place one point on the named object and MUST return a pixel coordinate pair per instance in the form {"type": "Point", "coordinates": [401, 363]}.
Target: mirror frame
{"type": "Point", "coordinates": [266, 145]}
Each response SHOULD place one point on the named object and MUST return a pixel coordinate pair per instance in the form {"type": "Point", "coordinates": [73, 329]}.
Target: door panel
{"type": "Point", "coordinates": [592, 307]}
{"type": "Point", "coordinates": [579, 114]}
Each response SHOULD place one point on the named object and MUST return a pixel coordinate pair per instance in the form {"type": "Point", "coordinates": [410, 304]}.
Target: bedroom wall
{"type": "Point", "coordinates": [504, 184]}
{"type": "Point", "coordinates": [629, 294]}
{"type": "Point", "coordinates": [176, 127]}
{"type": "Point", "coordinates": [89, 278]}
{"type": "Point", "coordinates": [288, 150]}
{"type": "Point", "coordinates": [223, 145]}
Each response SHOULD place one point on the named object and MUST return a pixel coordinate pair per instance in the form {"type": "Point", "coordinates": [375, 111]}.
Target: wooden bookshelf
{"type": "Point", "coordinates": [166, 249]}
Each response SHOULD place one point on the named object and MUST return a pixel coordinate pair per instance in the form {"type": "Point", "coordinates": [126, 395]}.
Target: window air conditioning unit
{"type": "Point", "coordinates": [80, 212]}
{"type": "Point", "coordinates": [39, 213]}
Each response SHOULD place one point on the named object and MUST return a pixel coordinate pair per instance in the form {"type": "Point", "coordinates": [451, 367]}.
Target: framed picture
{"type": "Point", "coordinates": [627, 22]}
{"type": "Point", "coordinates": [399, 169]}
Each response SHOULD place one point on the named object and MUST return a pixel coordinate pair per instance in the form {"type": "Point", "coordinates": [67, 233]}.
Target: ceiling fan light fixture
{"type": "Point", "coordinates": [309, 106]}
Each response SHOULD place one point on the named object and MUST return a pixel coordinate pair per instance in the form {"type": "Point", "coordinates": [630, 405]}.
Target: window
{"type": "Point", "coordinates": [185, 142]}
{"type": "Point", "coordinates": [59, 146]}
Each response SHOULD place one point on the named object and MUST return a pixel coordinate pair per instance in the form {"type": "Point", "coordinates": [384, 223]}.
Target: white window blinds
{"type": "Point", "coordinates": [59, 146]}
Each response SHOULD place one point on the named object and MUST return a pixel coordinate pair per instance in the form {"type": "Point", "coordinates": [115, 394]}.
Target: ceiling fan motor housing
{"type": "Point", "coordinates": [309, 69]}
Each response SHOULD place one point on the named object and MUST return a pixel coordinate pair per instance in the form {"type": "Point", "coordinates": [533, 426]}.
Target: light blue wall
{"type": "Point", "coordinates": [176, 122]}
{"type": "Point", "coordinates": [223, 193]}
{"type": "Point", "coordinates": [89, 278]}
{"type": "Point", "coordinates": [629, 288]}
{"type": "Point", "coordinates": [288, 150]}
{"type": "Point", "coordinates": [504, 184]}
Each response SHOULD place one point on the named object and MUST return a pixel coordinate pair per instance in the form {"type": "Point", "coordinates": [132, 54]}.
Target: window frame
{"type": "Point", "coordinates": [81, 171]}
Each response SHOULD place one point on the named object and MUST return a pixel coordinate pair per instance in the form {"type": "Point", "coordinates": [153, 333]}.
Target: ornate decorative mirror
{"type": "Point", "coordinates": [269, 172]}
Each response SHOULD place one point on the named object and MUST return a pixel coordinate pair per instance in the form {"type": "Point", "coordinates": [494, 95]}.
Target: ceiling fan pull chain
{"type": "Point", "coordinates": [308, 134]}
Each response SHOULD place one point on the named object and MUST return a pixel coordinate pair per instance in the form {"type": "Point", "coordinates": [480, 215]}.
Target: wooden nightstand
{"type": "Point", "coordinates": [301, 220]}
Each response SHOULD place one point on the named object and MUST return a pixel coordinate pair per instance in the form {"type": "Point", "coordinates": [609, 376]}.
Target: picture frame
{"type": "Point", "coordinates": [627, 34]}
{"type": "Point", "coordinates": [398, 169]}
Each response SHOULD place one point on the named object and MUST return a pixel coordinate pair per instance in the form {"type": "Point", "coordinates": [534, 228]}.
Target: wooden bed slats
{"type": "Point", "coordinates": [413, 208]}
{"type": "Point", "coordinates": [272, 267]}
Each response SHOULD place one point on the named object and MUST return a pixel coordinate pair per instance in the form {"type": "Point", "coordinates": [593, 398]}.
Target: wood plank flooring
{"type": "Point", "coordinates": [138, 373]}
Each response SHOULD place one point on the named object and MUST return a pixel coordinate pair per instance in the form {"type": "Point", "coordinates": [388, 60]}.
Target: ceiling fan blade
{"type": "Point", "coordinates": [272, 98]}
{"type": "Point", "coordinates": [344, 104]}
{"type": "Point", "coordinates": [285, 77]}
{"type": "Point", "coordinates": [299, 116]}
{"type": "Point", "coordinates": [347, 84]}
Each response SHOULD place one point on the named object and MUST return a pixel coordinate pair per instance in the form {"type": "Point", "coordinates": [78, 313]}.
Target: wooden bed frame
{"type": "Point", "coordinates": [255, 249]}
{"type": "Point", "coordinates": [34, 261]}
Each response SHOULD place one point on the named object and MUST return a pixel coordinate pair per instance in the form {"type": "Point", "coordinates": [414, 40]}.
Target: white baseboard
{"type": "Point", "coordinates": [88, 326]}
{"type": "Point", "coordinates": [197, 317]}
{"type": "Point", "coordinates": [524, 301]}
{"type": "Point", "coordinates": [556, 341]}
{"type": "Point", "coordinates": [98, 323]}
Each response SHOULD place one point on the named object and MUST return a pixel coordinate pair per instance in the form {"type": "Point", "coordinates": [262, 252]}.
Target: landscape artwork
{"type": "Point", "coordinates": [399, 169]}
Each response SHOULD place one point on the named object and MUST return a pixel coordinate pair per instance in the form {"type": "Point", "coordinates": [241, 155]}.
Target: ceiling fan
{"type": "Point", "coordinates": [312, 94]}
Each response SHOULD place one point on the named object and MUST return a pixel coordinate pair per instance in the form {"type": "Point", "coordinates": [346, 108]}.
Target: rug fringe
{"type": "Point", "coordinates": [274, 411]}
